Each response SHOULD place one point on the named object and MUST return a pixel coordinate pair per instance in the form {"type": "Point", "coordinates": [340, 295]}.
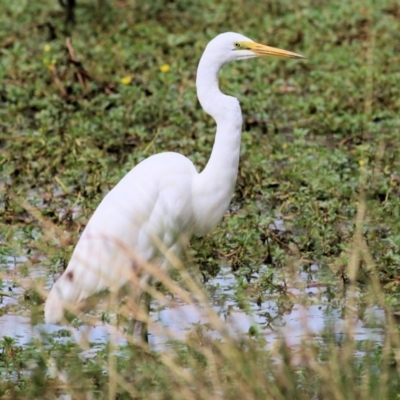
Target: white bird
{"type": "Point", "coordinates": [163, 199]}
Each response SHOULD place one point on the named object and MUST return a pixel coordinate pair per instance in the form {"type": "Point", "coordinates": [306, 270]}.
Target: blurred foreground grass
{"type": "Point", "coordinates": [320, 155]}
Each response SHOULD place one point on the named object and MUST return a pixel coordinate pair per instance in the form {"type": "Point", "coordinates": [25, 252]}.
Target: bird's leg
{"type": "Point", "coordinates": [133, 295]}
{"type": "Point", "coordinates": [146, 298]}
{"type": "Point", "coordinates": [145, 325]}
{"type": "Point", "coordinates": [134, 300]}
{"type": "Point", "coordinates": [138, 298]}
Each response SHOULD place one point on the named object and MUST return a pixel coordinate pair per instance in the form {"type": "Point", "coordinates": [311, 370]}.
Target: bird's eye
{"type": "Point", "coordinates": [237, 45]}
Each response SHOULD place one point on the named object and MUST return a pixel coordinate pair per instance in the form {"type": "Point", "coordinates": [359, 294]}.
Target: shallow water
{"type": "Point", "coordinates": [310, 314]}
{"type": "Point", "coordinates": [301, 322]}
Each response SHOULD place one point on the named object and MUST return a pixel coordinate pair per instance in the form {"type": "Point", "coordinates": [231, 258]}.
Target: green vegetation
{"type": "Point", "coordinates": [320, 156]}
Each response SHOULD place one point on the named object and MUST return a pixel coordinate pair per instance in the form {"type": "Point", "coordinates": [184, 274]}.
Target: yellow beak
{"type": "Point", "coordinates": [262, 50]}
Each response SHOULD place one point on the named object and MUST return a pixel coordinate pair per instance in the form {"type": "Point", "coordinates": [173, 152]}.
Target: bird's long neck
{"type": "Point", "coordinates": [215, 184]}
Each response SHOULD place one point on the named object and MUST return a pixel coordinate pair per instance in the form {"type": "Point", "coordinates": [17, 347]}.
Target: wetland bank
{"type": "Point", "coordinates": [296, 294]}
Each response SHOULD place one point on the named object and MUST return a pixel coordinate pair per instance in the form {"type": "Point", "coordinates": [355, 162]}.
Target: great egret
{"type": "Point", "coordinates": [163, 198]}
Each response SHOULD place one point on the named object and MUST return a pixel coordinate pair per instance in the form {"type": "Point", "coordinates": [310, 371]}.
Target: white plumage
{"type": "Point", "coordinates": [163, 199]}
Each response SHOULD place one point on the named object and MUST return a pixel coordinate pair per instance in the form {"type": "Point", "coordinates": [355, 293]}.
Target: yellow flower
{"type": "Point", "coordinates": [361, 163]}
{"type": "Point", "coordinates": [285, 146]}
{"type": "Point", "coordinates": [165, 68]}
{"type": "Point", "coordinates": [47, 48]}
{"type": "Point", "coordinates": [126, 80]}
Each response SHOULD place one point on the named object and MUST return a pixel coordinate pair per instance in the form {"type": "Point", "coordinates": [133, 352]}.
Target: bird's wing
{"type": "Point", "coordinates": [151, 204]}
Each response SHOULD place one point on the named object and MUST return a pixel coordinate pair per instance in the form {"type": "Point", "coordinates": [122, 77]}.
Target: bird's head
{"type": "Point", "coordinates": [232, 46]}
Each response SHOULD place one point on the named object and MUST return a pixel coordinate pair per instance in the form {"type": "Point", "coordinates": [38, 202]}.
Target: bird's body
{"type": "Point", "coordinates": [163, 199]}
